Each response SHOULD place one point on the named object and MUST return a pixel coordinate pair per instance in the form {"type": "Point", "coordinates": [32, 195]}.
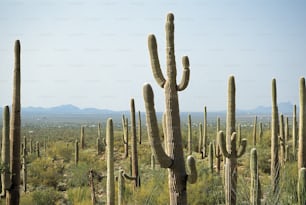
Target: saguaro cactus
{"type": "Point", "coordinates": [76, 152]}
{"type": "Point", "coordinates": [211, 156]}
{"type": "Point", "coordinates": [294, 132]}
{"type": "Point", "coordinates": [274, 142]}
{"type": "Point", "coordinates": [302, 126]}
{"type": "Point", "coordinates": [24, 169]}
{"type": "Point", "coordinates": [121, 187]}
{"type": "Point", "coordinates": [205, 134]}
{"type": "Point", "coordinates": [255, 192]}
{"type": "Point", "coordinates": [302, 186]}
{"type": "Point", "coordinates": [173, 158]}
{"type": "Point", "coordinates": [38, 149]}
{"type": "Point", "coordinates": [189, 143]}
{"type": "Point", "coordinates": [82, 140]}
{"type": "Point", "coordinates": [282, 138]}
{"type": "Point", "coordinates": [135, 173]}
{"type": "Point", "coordinates": [200, 139]}
{"type": "Point", "coordinates": [110, 183]}
{"type": "Point", "coordinates": [228, 146]}
{"type": "Point", "coordinates": [260, 131]}
{"type": "Point", "coordinates": [5, 155]}
{"type": "Point", "coordinates": [254, 131]}
{"type": "Point", "coordinates": [139, 127]}
{"type": "Point", "coordinates": [13, 195]}
{"type": "Point", "coordinates": [218, 154]}
{"type": "Point", "coordinates": [125, 128]}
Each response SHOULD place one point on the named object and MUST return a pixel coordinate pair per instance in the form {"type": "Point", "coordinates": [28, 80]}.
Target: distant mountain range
{"type": "Point", "coordinates": [285, 108]}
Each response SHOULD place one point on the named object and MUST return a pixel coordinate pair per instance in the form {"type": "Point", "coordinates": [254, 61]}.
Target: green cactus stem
{"type": "Point", "coordinates": [200, 139]}
{"type": "Point", "coordinates": [5, 154]}
{"type": "Point", "coordinates": [275, 166]}
{"type": "Point", "coordinates": [99, 146]}
{"type": "Point", "coordinates": [110, 183]}
{"type": "Point", "coordinates": [13, 194]}
{"type": "Point", "coordinates": [139, 127]}
{"type": "Point", "coordinates": [125, 128]}
{"type": "Point", "coordinates": [189, 143]}
{"type": "Point", "coordinates": [172, 157]}
{"type": "Point", "coordinates": [121, 187]}
{"type": "Point", "coordinates": [38, 149]}
{"type": "Point", "coordinates": [282, 139]}
{"type": "Point", "coordinates": [152, 162]}
{"type": "Point", "coordinates": [254, 131]}
{"type": "Point", "coordinates": [301, 189]}
{"type": "Point", "coordinates": [294, 133]}
{"type": "Point", "coordinates": [82, 140]}
{"type": "Point", "coordinates": [24, 169]}
{"type": "Point", "coordinates": [302, 126]}
{"type": "Point", "coordinates": [217, 152]}
{"type": "Point", "coordinates": [76, 152]}
{"type": "Point", "coordinates": [211, 156]}
{"type": "Point", "coordinates": [205, 137]}
{"type": "Point", "coordinates": [260, 131]}
{"type": "Point", "coordinates": [228, 146]}
{"type": "Point", "coordinates": [255, 192]}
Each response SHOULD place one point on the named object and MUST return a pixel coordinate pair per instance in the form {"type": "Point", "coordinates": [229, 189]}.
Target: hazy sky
{"type": "Point", "coordinates": [94, 53]}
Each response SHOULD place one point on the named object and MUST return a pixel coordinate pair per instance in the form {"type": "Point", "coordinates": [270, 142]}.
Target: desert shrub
{"type": "Point", "coordinates": [45, 197]}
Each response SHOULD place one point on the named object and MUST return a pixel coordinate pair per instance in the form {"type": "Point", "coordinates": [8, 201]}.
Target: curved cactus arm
{"type": "Point", "coordinates": [222, 144]}
{"type": "Point", "coordinates": [124, 142]}
{"type": "Point", "coordinates": [216, 149]}
{"type": "Point", "coordinates": [191, 164]}
{"type": "Point", "coordinates": [158, 75]}
{"type": "Point", "coordinates": [126, 176]}
{"type": "Point", "coordinates": [152, 128]}
{"type": "Point", "coordinates": [186, 74]}
{"type": "Point", "coordinates": [242, 148]}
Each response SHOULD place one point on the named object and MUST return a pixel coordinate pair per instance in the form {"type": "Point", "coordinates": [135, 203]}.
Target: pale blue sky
{"type": "Point", "coordinates": [94, 53]}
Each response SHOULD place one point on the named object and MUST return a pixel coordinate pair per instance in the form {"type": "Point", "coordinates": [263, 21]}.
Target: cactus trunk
{"type": "Point", "coordinates": [255, 184]}
{"type": "Point", "coordinates": [5, 155]}
{"type": "Point", "coordinates": [189, 143]}
{"type": "Point", "coordinates": [302, 126]}
{"type": "Point", "coordinates": [294, 133]}
{"type": "Point", "coordinates": [110, 183]}
{"type": "Point", "coordinates": [13, 195]}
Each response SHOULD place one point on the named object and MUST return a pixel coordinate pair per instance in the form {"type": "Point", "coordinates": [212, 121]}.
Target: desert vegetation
{"type": "Point", "coordinates": [124, 162]}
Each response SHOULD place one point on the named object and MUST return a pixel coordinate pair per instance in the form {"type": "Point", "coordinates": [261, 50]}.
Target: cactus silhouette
{"type": "Point", "coordinates": [228, 146]}
{"type": "Point", "coordinates": [255, 131]}
{"type": "Point", "coordinates": [110, 182]}
{"type": "Point", "coordinates": [302, 126]}
{"type": "Point", "coordinates": [37, 149]}
{"type": "Point", "coordinates": [76, 152]}
{"type": "Point", "coordinates": [24, 169]}
{"type": "Point", "coordinates": [205, 134]}
{"type": "Point", "coordinates": [274, 142]}
{"type": "Point", "coordinates": [172, 157]}
{"type": "Point", "coordinates": [255, 192]}
{"type": "Point", "coordinates": [121, 187]}
{"type": "Point", "coordinates": [211, 156]}
{"type": "Point", "coordinates": [282, 139]}
{"type": "Point", "coordinates": [5, 155]}
{"type": "Point", "coordinates": [82, 140]}
{"type": "Point", "coordinates": [13, 196]}
{"type": "Point", "coordinates": [217, 152]}
{"type": "Point", "coordinates": [139, 127]}
{"type": "Point", "coordinates": [200, 139]}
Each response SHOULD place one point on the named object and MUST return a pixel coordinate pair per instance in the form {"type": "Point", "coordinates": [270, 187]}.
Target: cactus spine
{"type": "Point", "coordinates": [82, 140]}
{"type": "Point", "coordinates": [205, 133]}
{"type": "Point", "coordinates": [274, 142]}
{"type": "Point", "coordinates": [302, 126]}
{"type": "Point", "coordinates": [125, 128]}
{"type": "Point", "coordinates": [254, 131]}
{"type": "Point", "coordinates": [228, 146]}
{"type": "Point", "coordinates": [173, 158]}
{"type": "Point", "coordinates": [5, 155]}
{"type": "Point", "coordinates": [13, 195]}
{"type": "Point", "coordinates": [255, 184]}
{"type": "Point", "coordinates": [110, 189]}
{"type": "Point", "coordinates": [302, 186]}
{"type": "Point", "coordinates": [189, 135]}
{"type": "Point", "coordinates": [294, 132]}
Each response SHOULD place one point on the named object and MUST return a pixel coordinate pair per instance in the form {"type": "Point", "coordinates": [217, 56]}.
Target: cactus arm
{"type": "Point", "coordinates": [242, 148]}
{"type": "Point", "coordinates": [126, 176]}
{"type": "Point", "coordinates": [124, 142]}
{"type": "Point", "coordinates": [222, 144]}
{"type": "Point", "coordinates": [186, 74]}
{"type": "Point", "coordinates": [191, 164]}
{"type": "Point", "coordinates": [158, 75]}
{"type": "Point", "coordinates": [152, 128]}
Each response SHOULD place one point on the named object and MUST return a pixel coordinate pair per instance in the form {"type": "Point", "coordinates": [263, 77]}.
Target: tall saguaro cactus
{"type": "Point", "coordinates": [205, 134]}
{"type": "Point", "coordinates": [110, 182]}
{"type": "Point", "coordinates": [301, 189]}
{"type": "Point", "coordinates": [13, 195]}
{"type": "Point", "coordinates": [189, 146]}
{"type": "Point", "coordinates": [294, 132]}
{"type": "Point", "coordinates": [82, 140]}
{"type": "Point", "coordinates": [218, 154]}
{"type": "Point", "coordinates": [229, 147]}
{"type": "Point", "coordinates": [172, 157]}
{"type": "Point", "coordinates": [5, 155]}
{"type": "Point", "coordinates": [125, 128]}
{"type": "Point", "coordinates": [254, 131]}
{"type": "Point", "coordinates": [200, 138]}
{"type": "Point", "coordinates": [302, 126]}
{"type": "Point", "coordinates": [139, 127]}
{"type": "Point", "coordinates": [275, 166]}
{"type": "Point", "coordinates": [255, 183]}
